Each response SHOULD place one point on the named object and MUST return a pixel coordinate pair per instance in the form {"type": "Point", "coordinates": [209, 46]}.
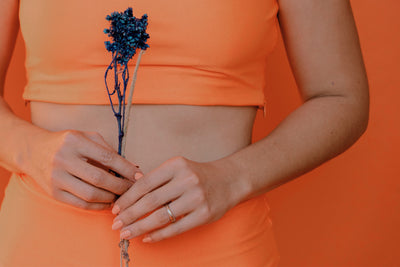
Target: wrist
{"type": "Point", "coordinates": [22, 141]}
{"type": "Point", "coordinates": [237, 180]}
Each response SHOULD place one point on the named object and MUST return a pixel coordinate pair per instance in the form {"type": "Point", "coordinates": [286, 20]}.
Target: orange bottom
{"type": "Point", "coordinates": [36, 230]}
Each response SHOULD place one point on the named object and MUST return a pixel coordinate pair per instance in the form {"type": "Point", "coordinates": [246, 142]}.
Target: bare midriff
{"type": "Point", "coordinates": [158, 132]}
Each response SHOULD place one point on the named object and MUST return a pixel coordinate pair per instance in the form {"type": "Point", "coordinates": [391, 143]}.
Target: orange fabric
{"type": "Point", "coordinates": [346, 212]}
{"type": "Point", "coordinates": [37, 230]}
{"type": "Point", "coordinates": [201, 52]}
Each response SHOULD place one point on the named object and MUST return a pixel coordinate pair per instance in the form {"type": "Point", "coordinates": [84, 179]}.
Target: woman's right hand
{"type": "Point", "coordinates": [71, 166]}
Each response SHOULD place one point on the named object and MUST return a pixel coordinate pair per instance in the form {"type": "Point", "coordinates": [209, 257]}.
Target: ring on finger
{"type": "Point", "coordinates": [171, 215]}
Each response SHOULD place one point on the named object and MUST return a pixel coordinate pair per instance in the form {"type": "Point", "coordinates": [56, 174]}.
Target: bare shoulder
{"type": "Point", "coordinates": [323, 47]}
{"type": "Point", "coordinates": [9, 29]}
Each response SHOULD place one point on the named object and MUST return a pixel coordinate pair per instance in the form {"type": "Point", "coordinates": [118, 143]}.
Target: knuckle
{"type": "Point", "coordinates": [90, 195]}
{"type": "Point", "coordinates": [97, 177]}
{"type": "Point", "coordinates": [205, 212]}
{"type": "Point", "coordinates": [107, 156]}
{"type": "Point", "coordinates": [180, 161]}
{"type": "Point", "coordinates": [96, 136]}
{"type": "Point", "coordinates": [122, 186]}
{"type": "Point", "coordinates": [199, 196]}
{"type": "Point", "coordinates": [71, 136]}
{"type": "Point", "coordinates": [108, 197]}
{"type": "Point", "coordinates": [67, 139]}
{"type": "Point", "coordinates": [193, 179]}
{"type": "Point", "coordinates": [150, 201]}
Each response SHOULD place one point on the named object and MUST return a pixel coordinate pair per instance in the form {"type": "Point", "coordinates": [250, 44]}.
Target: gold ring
{"type": "Point", "coordinates": [170, 214]}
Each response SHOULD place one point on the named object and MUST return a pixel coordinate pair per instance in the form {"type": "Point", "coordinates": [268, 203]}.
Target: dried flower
{"type": "Point", "coordinates": [128, 34]}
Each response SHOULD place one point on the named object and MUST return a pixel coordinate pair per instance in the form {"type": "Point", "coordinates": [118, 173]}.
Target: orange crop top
{"type": "Point", "coordinates": [204, 52]}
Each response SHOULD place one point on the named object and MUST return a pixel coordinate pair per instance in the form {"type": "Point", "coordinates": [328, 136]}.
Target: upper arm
{"type": "Point", "coordinates": [9, 24]}
{"type": "Point", "coordinates": [323, 48]}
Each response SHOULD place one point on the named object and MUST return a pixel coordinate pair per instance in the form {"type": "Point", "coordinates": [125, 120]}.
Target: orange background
{"type": "Point", "coordinates": [346, 212]}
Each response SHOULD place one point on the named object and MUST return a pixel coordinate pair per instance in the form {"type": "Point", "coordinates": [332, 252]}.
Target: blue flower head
{"type": "Point", "coordinates": [127, 33]}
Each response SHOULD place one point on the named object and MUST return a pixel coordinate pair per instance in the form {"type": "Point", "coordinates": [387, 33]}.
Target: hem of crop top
{"type": "Point", "coordinates": [142, 101]}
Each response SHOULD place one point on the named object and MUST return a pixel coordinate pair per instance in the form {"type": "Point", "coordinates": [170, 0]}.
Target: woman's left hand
{"type": "Point", "coordinates": [199, 193]}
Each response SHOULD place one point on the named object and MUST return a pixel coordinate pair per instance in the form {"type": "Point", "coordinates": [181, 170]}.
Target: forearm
{"type": "Point", "coordinates": [317, 131]}
{"type": "Point", "coordinates": [15, 136]}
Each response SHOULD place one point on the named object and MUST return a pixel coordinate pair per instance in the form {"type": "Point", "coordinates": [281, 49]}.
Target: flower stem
{"type": "Point", "coordinates": [124, 256]}
{"type": "Point", "coordinates": [124, 244]}
{"type": "Point", "coordinates": [129, 104]}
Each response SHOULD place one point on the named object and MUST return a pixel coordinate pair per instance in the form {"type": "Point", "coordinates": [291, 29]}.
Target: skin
{"type": "Point", "coordinates": [199, 158]}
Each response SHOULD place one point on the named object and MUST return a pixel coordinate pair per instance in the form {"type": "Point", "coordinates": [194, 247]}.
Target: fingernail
{"type": "Point", "coordinates": [138, 175]}
{"type": "Point", "coordinates": [117, 225]}
{"type": "Point", "coordinates": [147, 239]}
{"type": "Point", "coordinates": [125, 234]}
{"type": "Point", "coordinates": [115, 209]}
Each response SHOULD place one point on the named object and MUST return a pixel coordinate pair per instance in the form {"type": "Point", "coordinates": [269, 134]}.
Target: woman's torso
{"type": "Point", "coordinates": [199, 84]}
{"type": "Point", "coordinates": [196, 96]}
{"type": "Point", "coordinates": [158, 132]}
{"type": "Point", "coordinates": [198, 58]}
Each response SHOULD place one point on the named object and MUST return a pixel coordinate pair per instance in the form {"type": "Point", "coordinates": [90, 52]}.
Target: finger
{"type": "Point", "coordinates": [70, 199]}
{"type": "Point", "coordinates": [98, 177]}
{"type": "Point", "coordinates": [147, 203]}
{"type": "Point", "coordinates": [84, 190]}
{"type": "Point", "coordinates": [157, 219]}
{"type": "Point", "coordinates": [109, 158]}
{"type": "Point", "coordinates": [99, 139]}
{"type": "Point", "coordinates": [144, 185]}
{"type": "Point", "coordinates": [188, 222]}
{"type": "Point", "coordinates": [96, 137]}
